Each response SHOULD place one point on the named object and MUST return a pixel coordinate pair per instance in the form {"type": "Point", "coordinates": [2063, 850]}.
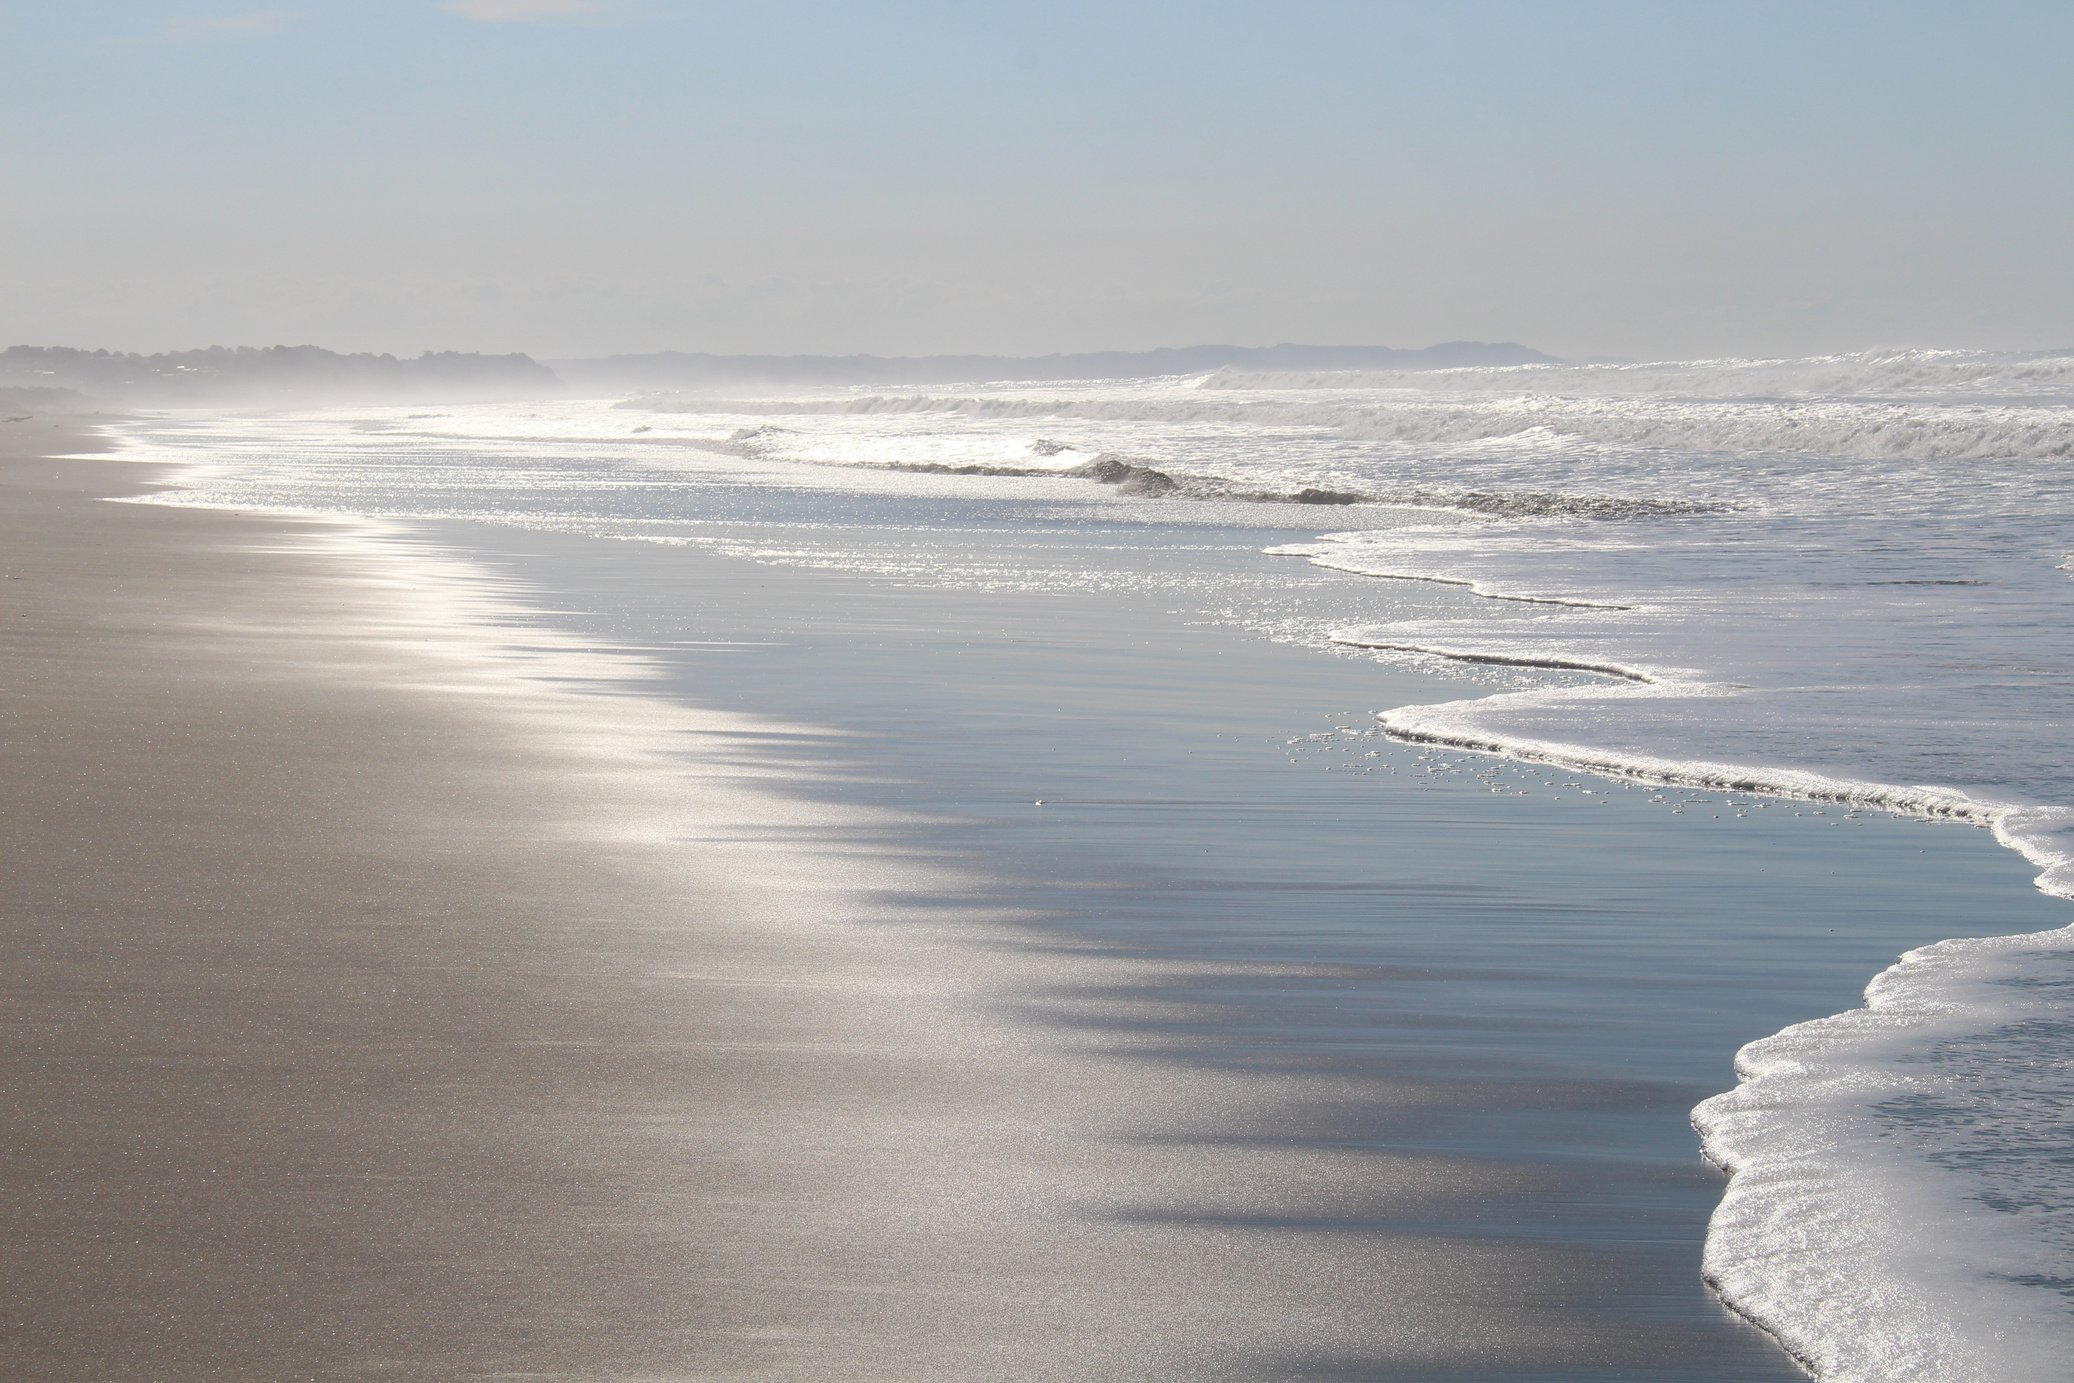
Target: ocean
{"type": "Point", "coordinates": [1538, 740]}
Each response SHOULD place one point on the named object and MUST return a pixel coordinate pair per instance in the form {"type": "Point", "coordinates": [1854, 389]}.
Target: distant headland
{"type": "Point", "coordinates": [248, 375]}
{"type": "Point", "coordinates": [64, 378]}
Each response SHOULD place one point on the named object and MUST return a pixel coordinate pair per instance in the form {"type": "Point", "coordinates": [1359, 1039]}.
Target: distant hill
{"type": "Point", "coordinates": [273, 374]}
{"type": "Point", "coordinates": [681, 370]}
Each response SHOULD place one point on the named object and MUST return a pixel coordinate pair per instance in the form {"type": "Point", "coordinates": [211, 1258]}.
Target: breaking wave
{"type": "Point", "coordinates": [1922, 405]}
{"type": "Point", "coordinates": [1139, 479]}
{"type": "Point", "coordinates": [1936, 374]}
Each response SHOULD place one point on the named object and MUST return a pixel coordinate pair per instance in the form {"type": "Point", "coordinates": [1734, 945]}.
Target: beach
{"type": "Point", "coordinates": [369, 1016]}
{"type": "Point", "coordinates": [763, 694]}
{"type": "Point", "coordinates": [418, 966]}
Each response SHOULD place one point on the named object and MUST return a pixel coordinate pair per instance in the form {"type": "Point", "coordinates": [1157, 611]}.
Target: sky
{"type": "Point", "coordinates": [581, 177]}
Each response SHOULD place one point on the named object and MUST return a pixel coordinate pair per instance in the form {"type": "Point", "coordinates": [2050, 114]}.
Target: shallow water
{"type": "Point", "coordinates": [1835, 577]}
{"type": "Point", "coordinates": [1559, 966]}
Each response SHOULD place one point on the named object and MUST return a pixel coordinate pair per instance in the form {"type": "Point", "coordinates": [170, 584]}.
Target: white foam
{"type": "Point", "coordinates": [1950, 1091]}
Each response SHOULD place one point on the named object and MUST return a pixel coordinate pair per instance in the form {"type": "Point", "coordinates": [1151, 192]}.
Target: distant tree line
{"type": "Point", "coordinates": [286, 374]}
{"type": "Point", "coordinates": [310, 374]}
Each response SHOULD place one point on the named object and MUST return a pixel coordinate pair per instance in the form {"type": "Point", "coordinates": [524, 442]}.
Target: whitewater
{"type": "Point", "coordinates": [1847, 579]}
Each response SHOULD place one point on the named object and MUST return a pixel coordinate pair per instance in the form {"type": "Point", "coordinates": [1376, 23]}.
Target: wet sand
{"type": "Point", "coordinates": [389, 995]}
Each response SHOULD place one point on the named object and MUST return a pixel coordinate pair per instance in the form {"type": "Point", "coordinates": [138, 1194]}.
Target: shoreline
{"type": "Point", "coordinates": [1079, 1075]}
{"type": "Point", "coordinates": [325, 904]}
{"type": "Point", "coordinates": [388, 994]}
{"type": "Point", "coordinates": [1849, 1001]}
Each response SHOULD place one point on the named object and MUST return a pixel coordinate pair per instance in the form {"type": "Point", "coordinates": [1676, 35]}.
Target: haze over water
{"type": "Point", "coordinates": [581, 178]}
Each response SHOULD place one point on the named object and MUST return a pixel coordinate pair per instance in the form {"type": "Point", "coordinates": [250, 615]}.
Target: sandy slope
{"type": "Point", "coordinates": [381, 998]}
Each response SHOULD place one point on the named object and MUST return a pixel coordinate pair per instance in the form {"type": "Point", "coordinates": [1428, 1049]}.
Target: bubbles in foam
{"type": "Point", "coordinates": [1950, 1091]}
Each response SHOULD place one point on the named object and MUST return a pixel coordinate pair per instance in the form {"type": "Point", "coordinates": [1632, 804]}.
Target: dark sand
{"type": "Point", "coordinates": [380, 1000]}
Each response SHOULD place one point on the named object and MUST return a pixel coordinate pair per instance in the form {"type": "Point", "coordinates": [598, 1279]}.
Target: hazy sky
{"type": "Point", "coordinates": [580, 176]}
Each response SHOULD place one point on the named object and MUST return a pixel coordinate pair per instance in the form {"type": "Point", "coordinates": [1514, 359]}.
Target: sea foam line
{"type": "Point", "coordinates": [1820, 1237]}
{"type": "Point", "coordinates": [1323, 556]}
{"type": "Point", "coordinates": [1495, 659]}
{"type": "Point", "coordinates": [1423, 725]}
